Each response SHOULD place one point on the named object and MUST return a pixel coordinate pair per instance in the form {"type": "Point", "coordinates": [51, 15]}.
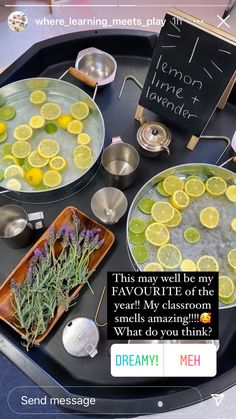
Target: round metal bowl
{"type": "Point", "coordinates": [215, 242]}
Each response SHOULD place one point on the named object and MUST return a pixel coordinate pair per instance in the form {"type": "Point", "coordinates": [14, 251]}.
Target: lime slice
{"type": "Point", "coordinates": [83, 138]}
{"type": "Point", "coordinates": [209, 217]}
{"type": "Point", "coordinates": [145, 205]}
{"type": "Point", "coordinates": [232, 258]}
{"type": "Point", "coordinates": [162, 212]}
{"type": "Point", "coordinates": [1, 175]}
{"type": "Point", "coordinates": [194, 188]}
{"type": "Point", "coordinates": [153, 267]}
{"type": "Point", "coordinates": [21, 149]}
{"type": "Point", "coordinates": [9, 159]}
{"type": "Point", "coordinates": [3, 127]}
{"type": "Point", "coordinates": [75, 127]}
{"type": "Point", "coordinates": [157, 234]}
{"type": "Point", "coordinates": [176, 220]}
{"type": "Point", "coordinates": [13, 171]}
{"type": "Point", "coordinates": [79, 110]}
{"type": "Point", "coordinates": [83, 150]}
{"type": "Point", "coordinates": [64, 120]}
{"type": "Point", "coordinates": [23, 132]}
{"type": "Point", "coordinates": [180, 200]}
{"type": "Point", "coordinates": [82, 163]}
{"type": "Point", "coordinates": [6, 148]}
{"type": "Point", "coordinates": [226, 290]}
{"type": "Point", "coordinates": [231, 193]}
{"type": "Point", "coordinates": [160, 189]}
{"type": "Point", "coordinates": [136, 238]}
{"type": "Point", "coordinates": [37, 83]}
{"type": "Point", "coordinates": [50, 111]}
{"type": "Point", "coordinates": [35, 160]}
{"type": "Point", "coordinates": [48, 148]}
{"type": "Point", "coordinates": [192, 235]}
{"type": "Point", "coordinates": [216, 186]}
{"type": "Point", "coordinates": [13, 184]}
{"type": "Point", "coordinates": [169, 256]}
{"type": "Point", "coordinates": [137, 225]}
{"type": "Point", "coordinates": [207, 263]}
{"type": "Point", "coordinates": [233, 224]}
{"type": "Point", "coordinates": [172, 184]}
{"type": "Point", "coordinates": [57, 163]}
{"type": "Point", "coordinates": [7, 113]}
{"type": "Point", "coordinates": [188, 265]}
{"type": "Point", "coordinates": [36, 122]}
{"type": "Point", "coordinates": [3, 137]}
{"type": "Point", "coordinates": [50, 128]}
{"type": "Point", "coordinates": [37, 97]}
{"type": "Point", "coordinates": [149, 221]}
{"type": "Point", "coordinates": [34, 176]}
{"type": "Point", "coordinates": [140, 253]}
{"type": "Point", "coordinates": [52, 179]}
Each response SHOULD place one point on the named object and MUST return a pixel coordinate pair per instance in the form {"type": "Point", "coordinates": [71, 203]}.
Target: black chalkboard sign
{"type": "Point", "coordinates": [190, 70]}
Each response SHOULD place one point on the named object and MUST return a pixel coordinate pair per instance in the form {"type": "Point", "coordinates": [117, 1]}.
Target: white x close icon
{"type": "Point", "coordinates": [223, 21]}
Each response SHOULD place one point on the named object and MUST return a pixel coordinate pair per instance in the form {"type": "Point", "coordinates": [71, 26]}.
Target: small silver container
{"type": "Point", "coordinates": [80, 337]}
{"type": "Point", "coordinates": [154, 138]}
{"type": "Point", "coordinates": [109, 205]}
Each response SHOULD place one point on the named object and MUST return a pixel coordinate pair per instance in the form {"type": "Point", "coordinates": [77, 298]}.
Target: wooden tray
{"type": "Point", "coordinates": [19, 273]}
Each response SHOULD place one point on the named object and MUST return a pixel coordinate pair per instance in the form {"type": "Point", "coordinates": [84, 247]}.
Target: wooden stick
{"type": "Point", "coordinates": [192, 142]}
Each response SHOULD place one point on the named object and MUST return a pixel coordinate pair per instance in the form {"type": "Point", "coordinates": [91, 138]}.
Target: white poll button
{"type": "Point", "coordinates": [190, 360]}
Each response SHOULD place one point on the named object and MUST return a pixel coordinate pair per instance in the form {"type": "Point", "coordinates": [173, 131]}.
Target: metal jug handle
{"type": "Point", "coordinates": [115, 140]}
{"type": "Point", "coordinates": [166, 148]}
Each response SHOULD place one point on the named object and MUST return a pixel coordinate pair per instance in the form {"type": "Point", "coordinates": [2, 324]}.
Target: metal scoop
{"type": "Point", "coordinates": [109, 205]}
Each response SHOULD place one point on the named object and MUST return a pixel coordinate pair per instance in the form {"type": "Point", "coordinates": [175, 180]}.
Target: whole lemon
{"type": "Point", "coordinates": [34, 176]}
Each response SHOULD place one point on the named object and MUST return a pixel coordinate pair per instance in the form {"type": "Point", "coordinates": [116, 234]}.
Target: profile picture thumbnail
{"type": "Point", "coordinates": [17, 21]}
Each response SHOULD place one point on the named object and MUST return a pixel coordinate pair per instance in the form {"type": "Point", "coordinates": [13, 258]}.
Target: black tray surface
{"type": "Point", "coordinates": [49, 366]}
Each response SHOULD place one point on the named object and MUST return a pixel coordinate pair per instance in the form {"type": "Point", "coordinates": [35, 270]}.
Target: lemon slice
{"type": "Point", "coordinates": [50, 111]}
{"type": "Point", "coordinates": [13, 184]}
{"type": "Point", "coordinates": [192, 177]}
{"type": "Point", "coordinates": [226, 290]}
{"type": "Point", "coordinates": [36, 121]}
{"type": "Point", "coordinates": [188, 265]}
{"type": "Point", "coordinates": [209, 217]}
{"type": "Point", "coordinates": [79, 110]}
{"type": "Point", "coordinates": [75, 127]}
{"type": "Point", "coordinates": [169, 256]}
{"type": "Point", "coordinates": [21, 149]}
{"type": "Point", "coordinates": [57, 163]}
{"type": "Point", "coordinates": [3, 127]}
{"type": "Point", "coordinates": [180, 200]}
{"type": "Point", "coordinates": [23, 132]}
{"type": "Point", "coordinates": [145, 205]}
{"type": "Point", "coordinates": [231, 193]}
{"type": "Point", "coordinates": [35, 160]}
{"type": "Point", "coordinates": [83, 150]}
{"type": "Point", "coordinates": [207, 263]}
{"type": "Point", "coordinates": [83, 138]}
{"type": "Point", "coordinates": [137, 225]}
{"type": "Point", "coordinates": [233, 224]}
{"type": "Point", "coordinates": [37, 97]}
{"type": "Point", "coordinates": [192, 235]}
{"type": "Point", "coordinates": [82, 163]}
{"type": "Point", "coordinates": [160, 189]}
{"type": "Point", "coordinates": [9, 159]}
{"type": "Point", "coordinates": [232, 258]}
{"type": "Point", "coordinates": [216, 186]}
{"type": "Point", "coordinates": [48, 148]}
{"type": "Point", "coordinates": [136, 238]}
{"type": "Point", "coordinates": [157, 234]}
{"type": "Point", "coordinates": [172, 184]}
{"type": "Point", "coordinates": [34, 176]}
{"type": "Point", "coordinates": [162, 212]}
{"type": "Point", "coordinates": [13, 171]}
{"type": "Point", "coordinates": [194, 188]}
{"type": "Point", "coordinates": [153, 267]}
{"type": "Point", "coordinates": [52, 178]}
{"type": "Point", "coordinates": [176, 220]}
{"type": "Point", "coordinates": [140, 253]}
{"type": "Point", "coordinates": [3, 137]}
{"type": "Point", "coordinates": [64, 120]}
{"type": "Point", "coordinates": [7, 113]}
{"type": "Point", "coordinates": [6, 149]}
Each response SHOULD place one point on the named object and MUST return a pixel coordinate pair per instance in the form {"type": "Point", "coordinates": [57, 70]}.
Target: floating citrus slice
{"type": "Point", "coordinates": [3, 127]}
{"type": "Point", "coordinates": [36, 121]}
{"type": "Point", "coordinates": [192, 235]}
{"type": "Point", "coordinates": [6, 148]}
{"type": "Point", "coordinates": [57, 163]}
{"type": "Point", "coordinates": [83, 138]}
{"type": "Point", "coordinates": [21, 149]}
{"type": "Point", "coordinates": [153, 267]}
{"type": "Point", "coordinates": [34, 176]}
{"type": "Point", "coordinates": [52, 179]}
{"type": "Point", "coordinates": [3, 137]}
{"type": "Point", "coordinates": [172, 184]}
{"type": "Point", "coordinates": [13, 171]}
{"type": "Point", "coordinates": [194, 188]}
{"type": "Point", "coordinates": [64, 120]}
{"type": "Point", "coordinates": [216, 186]}
{"type": "Point", "coordinates": [13, 184]}
{"type": "Point", "coordinates": [162, 212]}
{"type": "Point", "coordinates": [207, 263]}
{"type": "Point", "coordinates": [160, 189]}
{"type": "Point", "coordinates": [192, 177]}
{"type": "Point", "coordinates": [188, 265]}
{"type": "Point", "coordinates": [23, 132]}
{"type": "Point", "coordinates": [37, 97]}
{"type": "Point", "coordinates": [9, 159]}
{"type": "Point", "coordinates": [50, 128]}
{"type": "Point", "coordinates": [84, 150]}
{"type": "Point", "coordinates": [180, 200]}
{"type": "Point", "coordinates": [231, 193]}
{"type": "Point", "coordinates": [136, 238]}
{"type": "Point", "coordinates": [75, 127]}
{"type": "Point", "coordinates": [209, 217]}
{"type": "Point", "coordinates": [145, 205]}
{"type": "Point", "coordinates": [140, 253]}
{"type": "Point", "coordinates": [35, 160]}
{"type": "Point", "coordinates": [7, 113]}
{"type": "Point", "coordinates": [137, 225]}
{"type": "Point", "coordinates": [233, 224]}
{"type": "Point", "coordinates": [226, 290]}
{"type": "Point", "coordinates": [79, 110]}
{"type": "Point", "coordinates": [176, 220]}
{"type": "Point", "coordinates": [48, 148]}
{"type": "Point", "coordinates": [82, 163]}
{"type": "Point", "coordinates": [232, 258]}
{"type": "Point", "coordinates": [157, 234]}
{"type": "Point", "coordinates": [169, 256]}
{"type": "Point", "coordinates": [50, 111]}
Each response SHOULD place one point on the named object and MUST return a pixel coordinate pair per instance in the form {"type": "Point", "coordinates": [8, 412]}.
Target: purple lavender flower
{"type": "Point", "coordinates": [37, 253]}
{"type": "Point", "coordinates": [66, 236]}
{"type": "Point", "coordinates": [81, 235]}
{"type": "Point", "coordinates": [15, 287]}
{"type": "Point", "coordinates": [59, 233]}
{"type": "Point", "coordinates": [73, 238]}
{"type": "Point", "coordinates": [29, 276]}
{"type": "Point", "coordinates": [75, 219]}
{"type": "Point", "coordinates": [51, 238]}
